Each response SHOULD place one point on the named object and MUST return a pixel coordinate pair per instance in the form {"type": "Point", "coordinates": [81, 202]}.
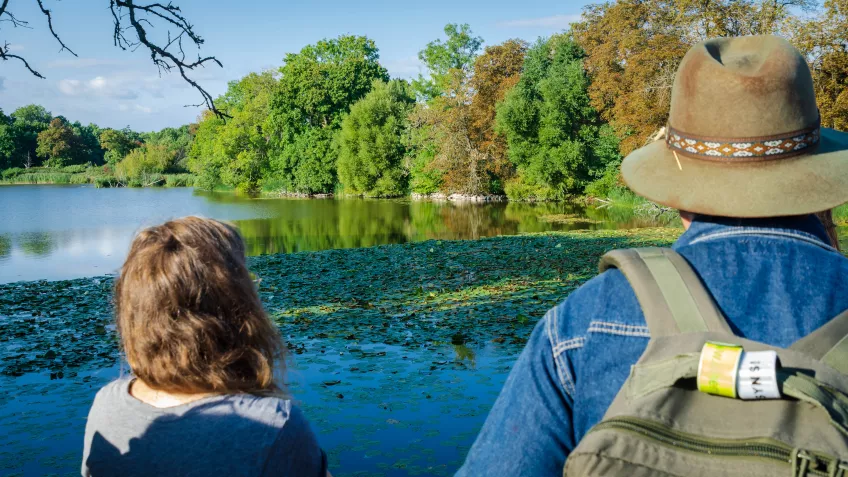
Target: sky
{"type": "Point", "coordinates": [115, 88]}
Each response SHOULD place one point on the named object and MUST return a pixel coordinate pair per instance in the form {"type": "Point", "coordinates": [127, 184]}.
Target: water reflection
{"type": "Point", "coordinates": [36, 243]}
{"type": "Point", "coordinates": [5, 245]}
{"type": "Point", "coordinates": [50, 232]}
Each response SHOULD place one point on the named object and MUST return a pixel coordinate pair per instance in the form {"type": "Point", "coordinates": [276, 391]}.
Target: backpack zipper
{"type": "Point", "coordinates": [750, 448]}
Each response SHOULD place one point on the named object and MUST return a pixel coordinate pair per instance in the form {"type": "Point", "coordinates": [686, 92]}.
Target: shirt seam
{"type": "Point", "coordinates": [620, 329]}
{"type": "Point", "coordinates": [800, 236]}
{"type": "Point", "coordinates": [565, 378]}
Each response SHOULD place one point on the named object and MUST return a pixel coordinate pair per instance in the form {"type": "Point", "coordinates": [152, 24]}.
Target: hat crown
{"type": "Point", "coordinates": [743, 87]}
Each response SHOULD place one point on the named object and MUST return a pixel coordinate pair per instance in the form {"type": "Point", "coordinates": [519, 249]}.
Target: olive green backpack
{"type": "Point", "coordinates": [660, 424]}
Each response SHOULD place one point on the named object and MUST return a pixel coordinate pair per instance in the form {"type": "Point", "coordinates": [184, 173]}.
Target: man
{"type": "Point", "coordinates": [747, 164]}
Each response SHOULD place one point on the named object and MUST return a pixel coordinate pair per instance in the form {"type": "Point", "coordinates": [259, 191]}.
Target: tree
{"type": "Point", "coordinates": [496, 72]}
{"type": "Point", "coordinates": [131, 22]}
{"type": "Point", "coordinates": [144, 165]}
{"type": "Point", "coordinates": [27, 122]}
{"type": "Point", "coordinates": [57, 144]}
{"type": "Point", "coordinates": [235, 152]}
{"type": "Point", "coordinates": [317, 87]}
{"type": "Point", "coordinates": [7, 141]}
{"type": "Point", "coordinates": [824, 40]}
{"type": "Point", "coordinates": [457, 53]}
{"type": "Point", "coordinates": [117, 143]}
{"type": "Point", "coordinates": [89, 150]}
{"type": "Point", "coordinates": [556, 139]}
{"type": "Point", "coordinates": [178, 140]}
{"type": "Point", "coordinates": [371, 147]}
{"type": "Point", "coordinates": [633, 48]}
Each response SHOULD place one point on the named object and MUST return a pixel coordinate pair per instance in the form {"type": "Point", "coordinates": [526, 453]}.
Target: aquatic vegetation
{"type": "Point", "coordinates": [396, 352]}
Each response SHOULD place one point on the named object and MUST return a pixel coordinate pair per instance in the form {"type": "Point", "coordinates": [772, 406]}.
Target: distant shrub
{"type": "Point", "coordinates": [12, 172]}
{"type": "Point", "coordinates": [179, 180]}
{"type": "Point", "coordinates": [80, 179]}
{"type": "Point", "coordinates": [145, 165]}
{"type": "Point", "coordinates": [104, 181]}
{"type": "Point", "coordinates": [519, 191]}
{"type": "Point", "coordinates": [42, 178]}
{"type": "Point", "coordinates": [74, 169]}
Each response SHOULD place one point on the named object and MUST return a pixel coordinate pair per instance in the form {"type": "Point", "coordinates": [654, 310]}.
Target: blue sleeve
{"type": "Point", "coordinates": [529, 429]}
{"type": "Point", "coordinates": [296, 450]}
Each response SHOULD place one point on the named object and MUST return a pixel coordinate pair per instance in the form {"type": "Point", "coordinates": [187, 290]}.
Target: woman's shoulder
{"type": "Point", "coordinates": [274, 411]}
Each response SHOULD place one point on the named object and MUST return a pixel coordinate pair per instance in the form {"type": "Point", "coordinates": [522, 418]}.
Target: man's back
{"type": "Point", "coordinates": [776, 281]}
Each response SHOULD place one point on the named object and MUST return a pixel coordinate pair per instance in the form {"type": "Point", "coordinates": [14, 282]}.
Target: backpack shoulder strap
{"type": "Point", "coordinates": [828, 344]}
{"type": "Point", "coordinates": [672, 297]}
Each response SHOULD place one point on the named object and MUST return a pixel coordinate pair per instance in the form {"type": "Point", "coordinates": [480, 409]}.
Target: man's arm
{"type": "Point", "coordinates": [529, 429]}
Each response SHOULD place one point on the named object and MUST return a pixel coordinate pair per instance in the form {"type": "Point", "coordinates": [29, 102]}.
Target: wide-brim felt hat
{"type": "Point", "coordinates": [743, 137]}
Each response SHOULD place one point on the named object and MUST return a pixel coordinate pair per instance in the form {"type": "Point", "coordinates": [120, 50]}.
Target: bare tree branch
{"type": "Point", "coordinates": [5, 56]}
{"type": "Point", "coordinates": [46, 13]}
{"type": "Point", "coordinates": [130, 33]}
{"type": "Point", "coordinates": [12, 19]}
{"type": "Point", "coordinates": [171, 55]}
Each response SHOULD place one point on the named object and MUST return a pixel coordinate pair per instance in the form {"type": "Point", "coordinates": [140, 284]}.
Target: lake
{"type": "Point", "coordinates": [64, 232]}
{"type": "Point", "coordinates": [396, 353]}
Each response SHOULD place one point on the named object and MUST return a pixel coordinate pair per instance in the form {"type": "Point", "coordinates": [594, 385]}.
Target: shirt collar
{"type": "Point", "coordinates": [807, 226]}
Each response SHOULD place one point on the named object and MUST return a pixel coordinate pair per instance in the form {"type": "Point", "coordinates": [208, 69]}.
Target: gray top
{"type": "Point", "coordinates": [237, 434]}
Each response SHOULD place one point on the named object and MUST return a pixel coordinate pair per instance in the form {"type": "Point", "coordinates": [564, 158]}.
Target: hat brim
{"type": "Point", "coordinates": [783, 187]}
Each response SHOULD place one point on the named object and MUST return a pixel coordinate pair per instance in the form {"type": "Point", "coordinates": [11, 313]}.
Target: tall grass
{"type": "Point", "coordinates": [87, 174]}
{"type": "Point", "coordinates": [39, 178]}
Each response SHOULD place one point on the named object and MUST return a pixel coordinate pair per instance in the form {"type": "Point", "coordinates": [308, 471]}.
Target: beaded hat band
{"type": "Point", "coordinates": [744, 149]}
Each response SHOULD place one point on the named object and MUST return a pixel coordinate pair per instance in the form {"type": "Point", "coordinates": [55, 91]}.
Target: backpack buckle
{"type": "Point", "coordinates": [801, 461]}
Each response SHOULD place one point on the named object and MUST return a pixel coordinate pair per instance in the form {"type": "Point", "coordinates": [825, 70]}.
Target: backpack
{"type": "Point", "coordinates": [661, 424]}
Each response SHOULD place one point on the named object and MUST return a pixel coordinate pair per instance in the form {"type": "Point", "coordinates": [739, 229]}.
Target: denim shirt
{"type": "Point", "coordinates": [775, 280]}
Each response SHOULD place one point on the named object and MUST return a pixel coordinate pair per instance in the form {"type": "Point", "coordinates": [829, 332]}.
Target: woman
{"type": "Point", "coordinates": [205, 397]}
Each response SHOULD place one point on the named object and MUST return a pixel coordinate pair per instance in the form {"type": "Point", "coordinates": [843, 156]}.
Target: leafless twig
{"type": "Point", "coordinates": [171, 55]}
{"type": "Point", "coordinates": [46, 13]}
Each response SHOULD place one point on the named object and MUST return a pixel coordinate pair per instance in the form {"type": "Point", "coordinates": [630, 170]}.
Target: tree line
{"type": "Point", "coordinates": [549, 120]}
{"type": "Point", "coordinates": [545, 121]}
{"type": "Point", "coordinates": [31, 139]}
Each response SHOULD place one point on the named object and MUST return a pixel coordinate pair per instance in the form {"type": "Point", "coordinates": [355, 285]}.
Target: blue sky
{"type": "Point", "coordinates": [114, 88]}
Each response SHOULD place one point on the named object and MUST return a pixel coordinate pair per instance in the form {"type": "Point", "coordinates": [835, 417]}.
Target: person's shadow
{"type": "Point", "coordinates": [209, 440]}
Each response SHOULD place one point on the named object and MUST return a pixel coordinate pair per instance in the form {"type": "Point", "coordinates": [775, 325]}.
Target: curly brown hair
{"type": "Point", "coordinates": [189, 316]}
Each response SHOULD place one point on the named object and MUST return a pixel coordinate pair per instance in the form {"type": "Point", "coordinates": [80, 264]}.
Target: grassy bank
{"type": "Point", "coordinates": [98, 176]}
{"type": "Point", "coordinates": [478, 291]}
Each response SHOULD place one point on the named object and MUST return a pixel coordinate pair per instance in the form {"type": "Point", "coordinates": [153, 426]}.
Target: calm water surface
{"type": "Point", "coordinates": [379, 409]}
{"type": "Point", "coordinates": [64, 232]}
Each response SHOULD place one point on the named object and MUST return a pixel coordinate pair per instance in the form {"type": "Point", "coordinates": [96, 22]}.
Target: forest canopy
{"type": "Point", "coordinates": [549, 120]}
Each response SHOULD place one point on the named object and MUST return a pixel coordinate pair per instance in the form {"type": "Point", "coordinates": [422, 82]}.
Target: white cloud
{"type": "Point", "coordinates": [143, 109]}
{"type": "Point", "coordinates": [71, 87]}
{"type": "Point", "coordinates": [15, 47]}
{"type": "Point", "coordinates": [554, 21]}
{"type": "Point", "coordinates": [98, 82]}
{"type": "Point", "coordinates": [100, 86]}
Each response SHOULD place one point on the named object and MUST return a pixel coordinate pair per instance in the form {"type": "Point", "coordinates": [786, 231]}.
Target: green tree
{"type": "Point", "coordinates": [371, 147]}
{"type": "Point", "coordinates": [178, 140]}
{"type": "Point", "coordinates": [117, 143]}
{"type": "Point", "coordinates": [8, 141]}
{"type": "Point", "coordinates": [556, 139]}
{"type": "Point", "coordinates": [144, 165]}
{"type": "Point", "coordinates": [456, 53]}
{"type": "Point", "coordinates": [28, 121]}
{"type": "Point", "coordinates": [236, 152]}
{"type": "Point", "coordinates": [57, 144]}
{"type": "Point", "coordinates": [89, 150]}
{"type": "Point", "coordinates": [317, 87]}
